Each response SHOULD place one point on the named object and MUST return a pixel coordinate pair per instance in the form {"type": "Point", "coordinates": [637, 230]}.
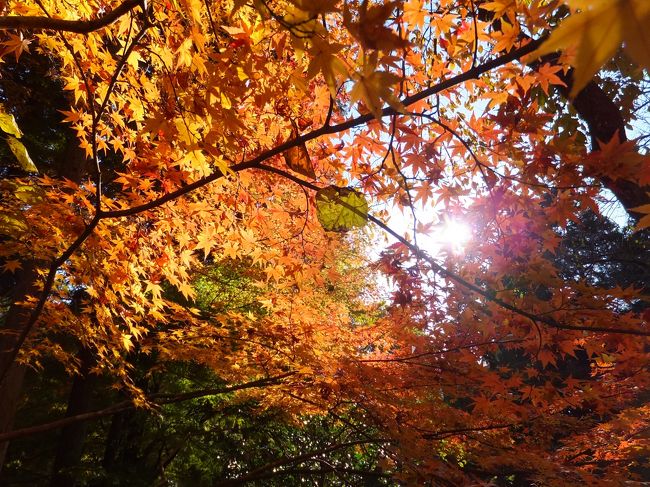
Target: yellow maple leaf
{"type": "Point", "coordinates": [324, 60]}
{"type": "Point", "coordinates": [275, 272]}
{"type": "Point", "coordinates": [415, 14]}
{"type": "Point", "coordinates": [21, 154]}
{"type": "Point", "coordinates": [184, 53]}
{"type": "Point", "coordinates": [205, 241]}
{"type": "Point", "coordinates": [127, 343]}
{"type": "Point", "coordinates": [230, 250]}
{"type": "Point", "coordinates": [496, 98]}
{"type": "Point", "coordinates": [8, 123]}
{"type": "Point", "coordinates": [636, 18]}
{"type": "Point", "coordinates": [187, 291]}
{"type": "Point", "coordinates": [373, 88]}
{"type": "Point", "coordinates": [507, 37]}
{"type": "Point", "coordinates": [500, 8]}
{"type": "Point", "coordinates": [597, 31]}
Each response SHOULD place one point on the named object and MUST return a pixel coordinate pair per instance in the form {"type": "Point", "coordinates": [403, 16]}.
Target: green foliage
{"type": "Point", "coordinates": [224, 287]}
{"type": "Point", "coordinates": [341, 209]}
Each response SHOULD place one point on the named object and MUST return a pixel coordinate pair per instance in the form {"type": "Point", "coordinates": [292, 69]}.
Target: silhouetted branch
{"type": "Point", "coordinates": [78, 26]}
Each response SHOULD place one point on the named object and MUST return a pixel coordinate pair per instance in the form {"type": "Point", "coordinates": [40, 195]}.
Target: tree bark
{"type": "Point", "coordinates": [72, 436]}
{"type": "Point", "coordinates": [600, 113]}
{"type": "Point", "coordinates": [14, 320]}
{"type": "Point", "coordinates": [80, 26]}
{"type": "Point", "coordinates": [604, 119]}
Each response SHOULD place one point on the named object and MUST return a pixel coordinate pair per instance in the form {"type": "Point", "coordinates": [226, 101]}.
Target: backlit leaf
{"type": "Point", "coordinates": [21, 154]}
{"type": "Point", "coordinates": [12, 225]}
{"type": "Point", "coordinates": [341, 209]}
{"type": "Point", "coordinates": [297, 158]}
{"type": "Point", "coordinates": [8, 123]}
{"type": "Point", "coordinates": [597, 31]}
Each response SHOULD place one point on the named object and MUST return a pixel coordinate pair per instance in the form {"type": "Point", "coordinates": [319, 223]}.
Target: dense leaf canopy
{"type": "Point", "coordinates": [244, 192]}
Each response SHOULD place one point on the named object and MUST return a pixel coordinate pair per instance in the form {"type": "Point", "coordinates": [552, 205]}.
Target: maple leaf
{"type": "Point", "coordinates": [206, 241]}
{"type": "Point", "coordinates": [374, 88]}
{"type": "Point", "coordinates": [371, 29]}
{"type": "Point", "coordinates": [184, 53]}
{"type": "Point", "coordinates": [319, 7]}
{"type": "Point", "coordinates": [154, 288]}
{"type": "Point", "coordinates": [20, 151]}
{"type": "Point", "coordinates": [187, 291]}
{"type": "Point", "coordinates": [500, 7]}
{"type": "Point", "coordinates": [325, 60]}
{"type": "Point", "coordinates": [77, 86]}
{"type": "Point", "coordinates": [16, 44]}
{"type": "Point", "coordinates": [297, 158]}
{"type": "Point", "coordinates": [414, 14]}
{"type": "Point", "coordinates": [341, 209]}
{"type": "Point", "coordinates": [507, 37]}
{"type": "Point", "coordinates": [644, 221]}
{"type": "Point", "coordinates": [546, 75]}
{"type": "Point", "coordinates": [12, 265]}
{"type": "Point", "coordinates": [230, 250]}
{"type": "Point", "coordinates": [8, 123]}
{"type": "Point", "coordinates": [127, 342]}
{"type": "Point", "coordinates": [275, 272]}
{"type": "Point", "coordinates": [597, 31]}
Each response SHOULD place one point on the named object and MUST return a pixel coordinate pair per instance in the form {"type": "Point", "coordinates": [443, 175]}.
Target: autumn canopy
{"type": "Point", "coordinates": [221, 241]}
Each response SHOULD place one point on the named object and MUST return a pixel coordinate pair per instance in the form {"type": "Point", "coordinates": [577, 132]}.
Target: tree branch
{"type": "Point", "coordinates": [436, 267]}
{"type": "Point", "coordinates": [162, 399]}
{"type": "Point", "coordinates": [604, 119]}
{"type": "Point", "coordinates": [332, 129]}
{"type": "Point", "coordinates": [78, 26]}
{"type": "Point", "coordinates": [90, 228]}
{"type": "Point", "coordinates": [256, 162]}
{"type": "Point", "coordinates": [261, 472]}
{"type": "Point", "coordinates": [433, 435]}
{"type": "Point", "coordinates": [306, 471]}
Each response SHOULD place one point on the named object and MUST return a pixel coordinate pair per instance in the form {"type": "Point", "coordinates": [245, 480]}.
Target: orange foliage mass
{"type": "Point", "coordinates": [205, 103]}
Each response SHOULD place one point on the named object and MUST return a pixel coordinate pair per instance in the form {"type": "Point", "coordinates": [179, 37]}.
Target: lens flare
{"type": "Point", "coordinates": [454, 234]}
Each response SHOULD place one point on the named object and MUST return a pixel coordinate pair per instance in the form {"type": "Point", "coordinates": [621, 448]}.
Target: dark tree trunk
{"type": "Point", "coordinates": [602, 116]}
{"type": "Point", "coordinates": [16, 317]}
{"type": "Point", "coordinates": [132, 455]}
{"type": "Point", "coordinates": [71, 441]}
{"type": "Point", "coordinates": [604, 119]}
{"type": "Point", "coordinates": [126, 462]}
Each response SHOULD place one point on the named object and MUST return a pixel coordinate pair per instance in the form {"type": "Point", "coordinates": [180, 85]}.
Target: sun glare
{"type": "Point", "coordinates": [454, 234]}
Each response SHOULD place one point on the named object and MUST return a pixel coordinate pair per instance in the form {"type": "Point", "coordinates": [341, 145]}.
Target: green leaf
{"type": "Point", "coordinates": [21, 154]}
{"type": "Point", "coordinates": [341, 209]}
